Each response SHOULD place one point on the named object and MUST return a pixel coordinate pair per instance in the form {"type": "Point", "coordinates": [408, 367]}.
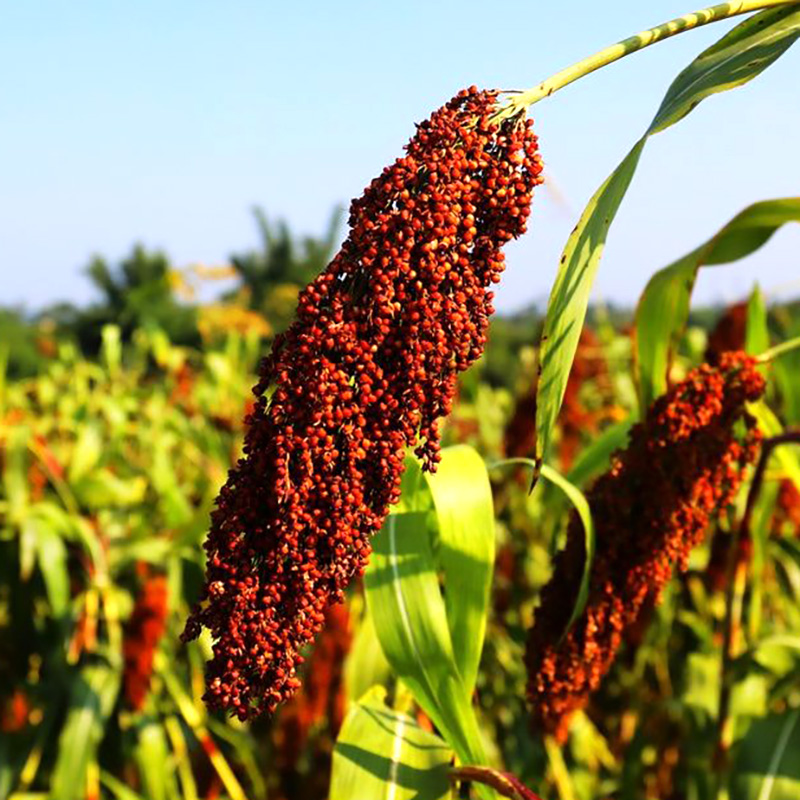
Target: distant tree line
{"type": "Point", "coordinates": [139, 292]}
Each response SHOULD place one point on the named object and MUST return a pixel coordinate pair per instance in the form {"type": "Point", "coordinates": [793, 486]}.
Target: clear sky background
{"type": "Point", "coordinates": [165, 122]}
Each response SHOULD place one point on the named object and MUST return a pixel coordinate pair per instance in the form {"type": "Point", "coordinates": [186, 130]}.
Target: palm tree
{"type": "Point", "coordinates": [271, 276]}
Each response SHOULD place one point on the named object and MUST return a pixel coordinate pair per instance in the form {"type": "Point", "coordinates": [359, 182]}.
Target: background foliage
{"type": "Point", "coordinates": [118, 423]}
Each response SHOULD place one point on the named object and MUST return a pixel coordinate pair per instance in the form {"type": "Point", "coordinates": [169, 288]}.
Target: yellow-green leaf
{"type": "Point", "coordinates": [462, 495]}
{"type": "Point", "coordinates": [664, 305]}
{"type": "Point", "coordinates": [382, 754]}
{"type": "Point", "coordinates": [404, 599]}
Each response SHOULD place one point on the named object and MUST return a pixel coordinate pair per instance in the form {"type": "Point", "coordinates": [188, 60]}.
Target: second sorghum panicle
{"type": "Point", "coordinates": [366, 370]}
{"type": "Point", "coordinates": [142, 633]}
{"type": "Point", "coordinates": [683, 464]}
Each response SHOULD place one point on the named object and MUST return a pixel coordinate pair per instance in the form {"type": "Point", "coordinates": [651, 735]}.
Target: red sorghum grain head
{"type": "Point", "coordinates": [366, 370]}
{"type": "Point", "coordinates": [786, 519]}
{"type": "Point", "coordinates": [142, 633]}
{"type": "Point", "coordinates": [683, 464]}
{"type": "Point", "coordinates": [728, 334]}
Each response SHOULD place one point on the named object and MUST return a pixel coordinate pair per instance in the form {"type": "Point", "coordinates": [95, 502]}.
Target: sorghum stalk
{"type": "Point", "coordinates": [683, 465]}
{"type": "Point", "coordinates": [626, 47]}
{"type": "Point", "coordinates": [366, 370]}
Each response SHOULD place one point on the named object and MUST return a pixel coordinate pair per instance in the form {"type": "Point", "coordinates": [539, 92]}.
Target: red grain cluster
{"type": "Point", "coordinates": [786, 519]}
{"type": "Point", "coordinates": [683, 464]}
{"type": "Point", "coordinates": [728, 334]}
{"type": "Point", "coordinates": [14, 711]}
{"type": "Point", "coordinates": [365, 371]}
{"type": "Point", "coordinates": [142, 633]}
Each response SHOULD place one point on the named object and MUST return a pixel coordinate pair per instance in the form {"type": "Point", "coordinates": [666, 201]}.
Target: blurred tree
{"type": "Point", "coordinates": [18, 344]}
{"type": "Point", "coordinates": [137, 294]}
{"type": "Point", "coordinates": [271, 276]}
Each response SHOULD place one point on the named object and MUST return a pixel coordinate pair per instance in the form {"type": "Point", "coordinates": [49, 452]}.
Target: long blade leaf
{"type": "Point", "coordinates": [465, 515]}
{"type": "Point", "coordinates": [408, 610]}
{"type": "Point", "coordinates": [737, 58]}
{"type": "Point", "coordinates": [664, 305]}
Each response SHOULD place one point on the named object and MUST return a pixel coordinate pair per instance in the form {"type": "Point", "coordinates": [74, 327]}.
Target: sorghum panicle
{"type": "Point", "coordinates": [142, 633]}
{"type": "Point", "coordinates": [786, 519]}
{"type": "Point", "coordinates": [728, 334]}
{"type": "Point", "coordinates": [683, 464]}
{"type": "Point", "coordinates": [366, 370]}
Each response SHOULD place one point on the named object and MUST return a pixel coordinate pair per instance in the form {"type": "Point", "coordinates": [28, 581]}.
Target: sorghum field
{"type": "Point", "coordinates": [338, 535]}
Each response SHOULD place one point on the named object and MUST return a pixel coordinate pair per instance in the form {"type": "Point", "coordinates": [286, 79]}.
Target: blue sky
{"type": "Point", "coordinates": [166, 122]}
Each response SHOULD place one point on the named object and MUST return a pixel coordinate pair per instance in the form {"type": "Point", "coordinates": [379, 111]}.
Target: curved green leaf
{"type": "Point", "coordinates": [51, 554]}
{"type": "Point", "coordinates": [594, 459]}
{"type": "Point", "coordinates": [366, 665]}
{"type": "Point", "coordinates": [569, 297]}
{"type": "Point", "coordinates": [462, 495]}
{"type": "Point", "coordinates": [382, 754]}
{"type": "Point", "coordinates": [152, 757]}
{"type": "Point", "coordinates": [787, 455]}
{"type": "Point", "coordinates": [737, 58]}
{"type": "Point", "coordinates": [404, 599]}
{"type": "Point", "coordinates": [767, 764]}
{"type": "Point", "coordinates": [581, 505]}
{"type": "Point", "coordinates": [117, 787]}
{"type": "Point", "coordinates": [757, 331]}
{"type": "Point", "coordinates": [664, 305]}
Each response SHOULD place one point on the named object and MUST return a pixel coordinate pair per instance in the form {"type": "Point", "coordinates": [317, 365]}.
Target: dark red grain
{"type": "Point", "coordinates": [366, 370]}
{"type": "Point", "coordinates": [683, 464]}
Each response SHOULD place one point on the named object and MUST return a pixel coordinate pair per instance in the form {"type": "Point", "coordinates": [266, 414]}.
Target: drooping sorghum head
{"type": "Point", "coordinates": [786, 519]}
{"type": "Point", "coordinates": [728, 334]}
{"type": "Point", "coordinates": [366, 370]}
{"type": "Point", "coordinates": [683, 464]}
{"type": "Point", "coordinates": [142, 633]}
{"type": "Point", "coordinates": [321, 699]}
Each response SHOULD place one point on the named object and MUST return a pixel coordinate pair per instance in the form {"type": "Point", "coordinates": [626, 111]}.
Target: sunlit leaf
{"type": "Point", "coordinates": [569, 297]}
{"type": "Point", "coordinates": [408, 610]}
{"type": "Point", "coordinates": [756, 331]}
{"type": "Point", "coordinates": [788, 455]}
{"type": "Point", "coordinates": [102, 488]}
{"type": "Point", "coordinates": [117, 788]}
{"type": "Point", "coordinates": [51, 553]}
{"type": "Point", "coordinates": [91, 701]}
{"type": "Point", "coordinates": [382, 754]}
{"type": "Point", "coordinates": [581, 506]}
{"type": "Point", "coordinates": [152, 759]}
{"type": "Point", "coordinates": [366, 665]}
{"type": "Point", "coordinates": [86, 452]}
{"type": "Point", "coordinates": [465, 517]}
{"type": "Point", "coordinates": [595, 457]}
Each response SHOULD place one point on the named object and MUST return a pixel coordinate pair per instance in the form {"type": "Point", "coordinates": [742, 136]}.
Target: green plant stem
{"type": "Point", "coordinates": [779, 350]}
{"type": "Point", "coordinates": [633, 44]}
